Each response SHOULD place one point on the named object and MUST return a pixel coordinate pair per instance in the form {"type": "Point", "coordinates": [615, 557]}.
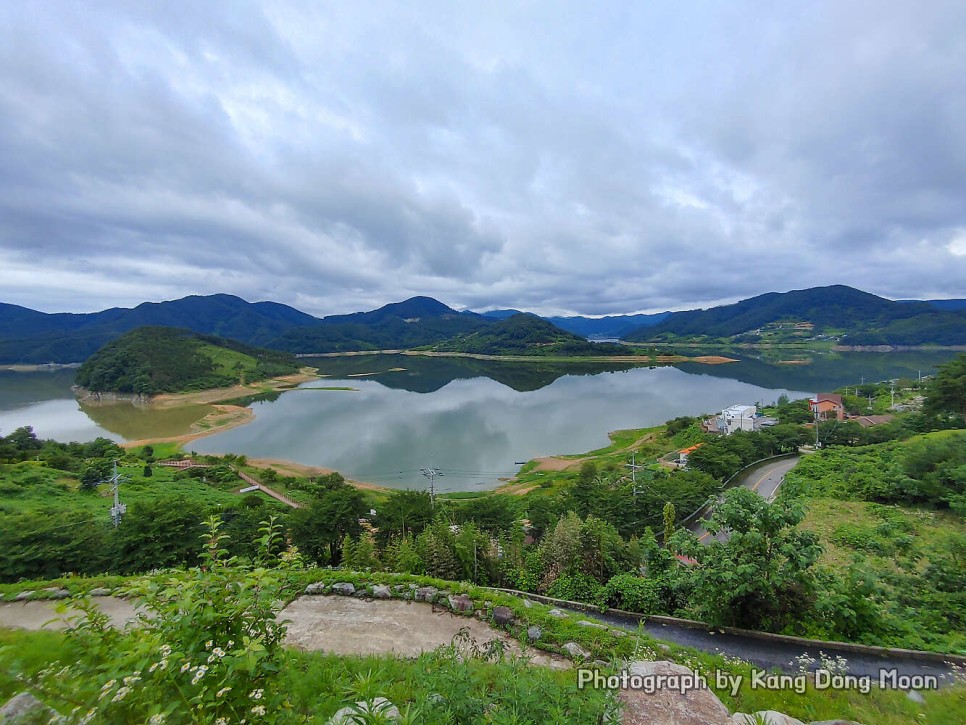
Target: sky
{"type": "Point", "coordinates": [553, 156]}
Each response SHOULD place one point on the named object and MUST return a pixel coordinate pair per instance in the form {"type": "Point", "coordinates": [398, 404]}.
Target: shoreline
{"type": "Point", "coordinates": [564, 359]}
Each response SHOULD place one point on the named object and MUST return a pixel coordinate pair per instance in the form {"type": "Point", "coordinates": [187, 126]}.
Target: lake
{"type": "Point", "coordinates": [473, 420]}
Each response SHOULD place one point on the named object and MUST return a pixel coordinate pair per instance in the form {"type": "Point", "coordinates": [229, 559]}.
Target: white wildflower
{"type": "Point", "coordinates": [222, 691]}
{"type": "Point", "coordinates": [199, 673]}
{"type": "Point", "coordinates": [132, 679]}
{"type": "Point", "coordinates": [256, 694]}
{"type": "Point", "coordinates": [258, 710]}
{"type": "Point", "coordinates": [121, 694]}
{"type": "Point", "coordinates": [157, 719]}
{"type": "Point", "coordinates": [186, 666]}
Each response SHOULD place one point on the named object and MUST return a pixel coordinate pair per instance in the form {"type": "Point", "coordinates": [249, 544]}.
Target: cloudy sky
{"type": "Point", "coordinates": [559, 157]}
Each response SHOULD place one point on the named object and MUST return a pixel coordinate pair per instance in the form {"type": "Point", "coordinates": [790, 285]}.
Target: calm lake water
{"type": "Point", "coordinates": [472, 419]}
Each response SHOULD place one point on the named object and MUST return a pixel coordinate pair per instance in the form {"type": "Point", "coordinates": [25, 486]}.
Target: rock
{"type": "Point", "coordinates": [344, 588]}
{"type": "Point", "coordinates": [527, 603]}
{"type": "Point", "coordinates": [588, 623]}
{"type": "Point", "coordinates": [916, 697]}
{"type": "Point", "coordinates": [461, 603]}
{"type": "Point", "coordinates": [834, 722]}
{"type": "Point", "coordinates": [556, 613]}
{"type": "Point", "coordinates": [381, 591]}
{"type": "Point", "coordinates": [766, 717]}
{"type": "Point", "coordinates": [502, 616]}
{"type": "Point", "coordinates": [697, 705]}
{"type": "Point", "coordinates": [618, 633]}
{"type": "Point", "coordinates": [99, 592]}
{"type": "Point", "coordinates": [25, 708]}
{"type": "Point", "coordinates": [534, 633]}
{"type": "Point", "coordinates": [23, 596]}
{"type": "Point", "coordinates": [352, 714]}
{"type": "Point", "coordinates": [56, 593]}
{"type": "Point", "coordinates": [361, 593]}
{"type": "Point", "coordinates": [315, 588]}
{"type": "Point", "coordinates": [575, 651]}
{"type": "Point", "coordinates": [664, 647]}
{"type": "Point", "coordinates": [426, 594]}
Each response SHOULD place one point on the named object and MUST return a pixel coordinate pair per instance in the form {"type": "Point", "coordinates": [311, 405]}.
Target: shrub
{"type": "Point", "coordinates": [633, 594]}
{"type": "Point", "coordinates": [206, 650]}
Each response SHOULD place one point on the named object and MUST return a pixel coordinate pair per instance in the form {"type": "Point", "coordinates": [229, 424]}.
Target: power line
{"type": "Point", "coordinates": [633, 466]}
{"type": "Point", "coordinates": [431, 473]}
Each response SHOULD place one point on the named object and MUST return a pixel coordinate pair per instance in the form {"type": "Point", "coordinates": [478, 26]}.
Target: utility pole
{"type": "Point", "coordinates": [118, 509]}
{"type": "Point", "coordinates": [633, 466]}
{"type": "Point", "coordinates": [431, 473]}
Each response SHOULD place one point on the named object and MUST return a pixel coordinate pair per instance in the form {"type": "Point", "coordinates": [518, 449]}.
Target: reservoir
{"type": "Point", "coordinates": [382, 418]}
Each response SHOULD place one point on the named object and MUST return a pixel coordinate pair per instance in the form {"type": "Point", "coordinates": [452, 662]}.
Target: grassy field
{"type": "Point", "coordinates": [27, 487]}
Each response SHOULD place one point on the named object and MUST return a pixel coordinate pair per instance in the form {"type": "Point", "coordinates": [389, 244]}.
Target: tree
{"type": "Point", "coordinates": [760, 576]}
{"type": "Point", "coordinates": [406, 512]}
{"type": "Point", "coordinates": [159, 533]}
{"type": "Point", "coordinates": [668, 522]}
{"type": "Point", "coordinates": [947, 391]}
{"type": "Point", "coordinates": [318, 530]}
{"type": "Point", "coordinates": [493, 514]}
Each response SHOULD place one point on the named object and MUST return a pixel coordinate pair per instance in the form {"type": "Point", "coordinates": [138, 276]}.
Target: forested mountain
{"type": "Point", "coordinates": [152, 360]}
{"type": "Point", "coordinates": [859, 318]}
{"type": "Point", "coordinates": [28, 336]}
{"type": "Point", "coordinates": [414, 322]}
{"type": "Point", "coordinates": [592, 327]}
{"type": "Point", "coordinates": [525, 334]}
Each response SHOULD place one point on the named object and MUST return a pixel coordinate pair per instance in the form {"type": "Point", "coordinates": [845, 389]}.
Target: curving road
{"type": "Point", "coordinates": [764, 480]}
{"type": "Point", "coordinates": [771, 654]}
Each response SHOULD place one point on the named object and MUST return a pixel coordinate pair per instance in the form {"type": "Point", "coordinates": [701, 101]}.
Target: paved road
{"type": "Point", "coordinates": [764, 480]}
{"type": "Point", "coordinates": [769, 654]}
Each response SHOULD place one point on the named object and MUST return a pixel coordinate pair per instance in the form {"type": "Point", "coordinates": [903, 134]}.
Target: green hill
{"type": "Point", "coordinates": [152, 360]}
{"type": "Point", "coordinates": [857, 317]}
{"type": "Point", "coordinates": [526, 334]}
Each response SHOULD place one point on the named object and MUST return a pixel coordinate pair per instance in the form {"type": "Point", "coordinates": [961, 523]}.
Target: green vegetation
{"type": "Point", "coordinates": [866, 543]}
{"type": "Point", "coordinates": [151, 360]}
{"type": "Point", "coordinates": [890, 518]}
{"type": "Point", "coordinates": [464, 682]}
{"type": "Point", "coordinates": [525, 334]}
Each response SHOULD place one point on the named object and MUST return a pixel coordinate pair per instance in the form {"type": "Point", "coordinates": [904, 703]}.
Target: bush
{"type": "Point", "coordinates": [578, 588]}
{"type": "Point", "coordinates": [633, 594]}
{"type": "Point", "coordinates": [207, 649]}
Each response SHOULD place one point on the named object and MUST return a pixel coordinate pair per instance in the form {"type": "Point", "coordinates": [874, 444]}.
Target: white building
{"type": "Point", "coordinates": [737, 417]}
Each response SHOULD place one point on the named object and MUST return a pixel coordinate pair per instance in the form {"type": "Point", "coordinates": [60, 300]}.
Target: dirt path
{"type": "Point", "coordinates": [290, 468]}
{"type": "Point", "coordinates": [340, 625]}
{"type": "Point", "coordinates": [559, 463]}
{"type": "Point", "coordinates": [348, 626]}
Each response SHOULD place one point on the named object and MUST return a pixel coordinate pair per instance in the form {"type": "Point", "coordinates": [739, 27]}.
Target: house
{"type": "Point", "coordinates": [736, 417]}
{"type": "Point", "coordinates": [827, 406]}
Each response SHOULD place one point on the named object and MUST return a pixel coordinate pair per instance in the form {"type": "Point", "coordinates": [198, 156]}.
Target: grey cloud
{"type": "Point", "coordinates": [639, 158]}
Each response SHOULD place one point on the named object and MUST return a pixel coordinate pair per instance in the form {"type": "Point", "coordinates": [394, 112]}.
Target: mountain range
{"type": "Point", "coordinates": [851, 316]}
{"type": "Point", "coordinates": [29, 336]}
